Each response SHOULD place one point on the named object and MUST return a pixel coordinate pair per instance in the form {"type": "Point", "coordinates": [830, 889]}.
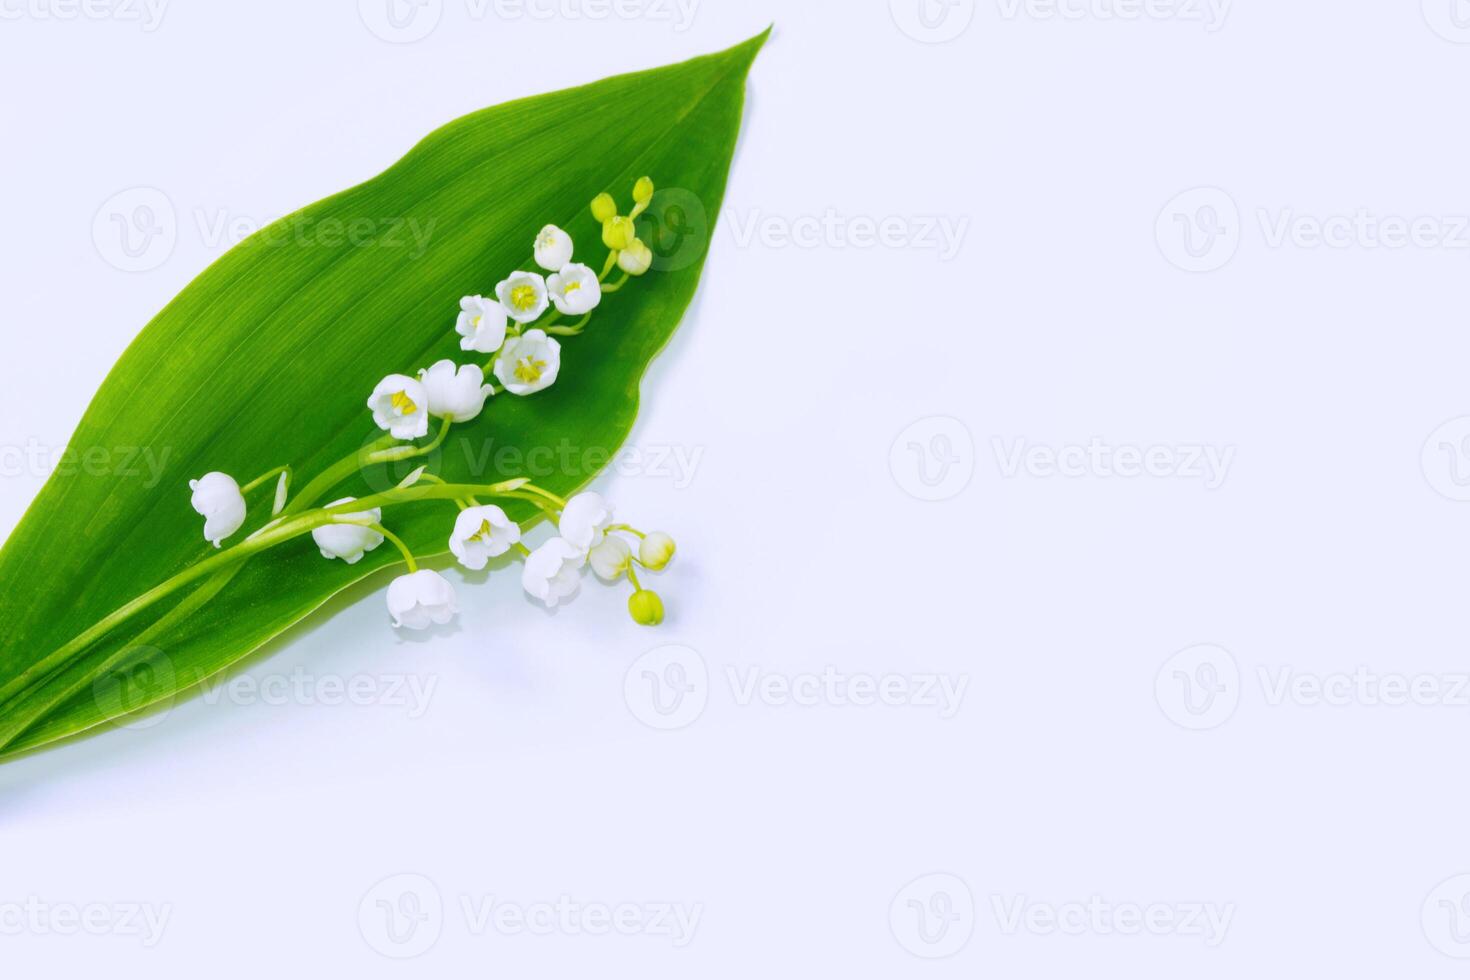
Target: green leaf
{"type": "Point", "coordinates": [267, 359]}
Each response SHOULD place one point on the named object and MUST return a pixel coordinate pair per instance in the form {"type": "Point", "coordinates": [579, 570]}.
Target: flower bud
{"type": "Point", "coordinates": [656, 550]}
{"type": "Point", "coordinates": [636, 258]}
{"type": "Point", "coordinates": [647, 608]}
{"type": "Point", "coordinates": [604, 208]}
{"type": "Point", "coordinates": [643, 190]}
{"type": "Point", "coordinates": [617, 232]}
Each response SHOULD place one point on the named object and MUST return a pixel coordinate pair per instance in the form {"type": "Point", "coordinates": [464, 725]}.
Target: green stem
{"type": "Point", "coordinates": [59, 657]}
{"type": "Point", "coordinates": [264, 477]}
{"type": "Point", "coordinates": [397, 542]}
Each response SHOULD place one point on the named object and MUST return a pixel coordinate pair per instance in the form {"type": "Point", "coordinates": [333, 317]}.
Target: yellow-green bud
{"type": "Point", "coordinates": [647, 608]}
{"type": "Point", "coordinates": [617, 232]}
{"type": "Point", "coordinates": [604, 208]}
{"type": "Point", "coordinates": [643, 190]}
{"type": "Point", "coordinates": [636, 259]}
{"type": "Point", "coordinates": [655, 550]}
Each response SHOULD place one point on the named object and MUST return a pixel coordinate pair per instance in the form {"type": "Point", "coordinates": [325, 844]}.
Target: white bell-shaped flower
{"type": "Point", "coordinates": [656, 550]}
{"type": "Point", "coordinates": [552, 572]}
{"type": "Point", "coordinates": [528, 363]}
{"type": "Point", "coordinates": [584, 520]}
{"type": "Point", "coordinates": [457, 394]}
{"type": "Point", "coordinates": [553, 248]}
{"type": "Point", "coordinates": [611, 558]}
{"type": "Point", "coordinates": [218, 500]}
{"type": "Point", "coordinates": [636, 259]}
{"type": "Point", "coordinates": [349, 541]}
{"type": "Point", "coordinates": [400, 406]}
{"type": "Point", "coordinates": [421, 599]}
{"type": "Point", "coordinates": [482, 533]}
{"type": "Point", "coordinates": [523, 295]}
{"type": "Point", "coordinates": [574, 289]}
{"type": "Point", "coordinates": [481, 324]}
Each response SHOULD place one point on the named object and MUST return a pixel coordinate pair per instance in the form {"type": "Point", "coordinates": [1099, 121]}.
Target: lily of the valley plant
{"type": "Point", "coordinates": [510, 335]}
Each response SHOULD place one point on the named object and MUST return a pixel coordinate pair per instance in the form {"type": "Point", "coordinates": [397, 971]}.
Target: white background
{"type": "Point", "coordinates": [1139, 732]}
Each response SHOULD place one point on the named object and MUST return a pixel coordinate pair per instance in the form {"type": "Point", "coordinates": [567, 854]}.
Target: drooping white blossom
{"type": "Point", "coordinates": [523, 295]}
{"type": "Point", "coordinates": [552, 572]}
{"type": "Point", "coordinates": [218, 500]}
{"type": "Point", "coordinates": [553, 248]}
{"type": "Point", "coordinates": [574, 289]}
{"type": "Point", "coordinates": [482, 533]}
{"type": "Point", "coordinates": [400, 406]}
{"type": "Point", "coordinates": [349, 541]}
{"type": "Point", "coordinates": [656, 550]}
{"type": "Point", "coordinates": [636, 259]}
{"type": "Point", "coordinates": [611, 558]}
{"type": "Point", "coordinates": [481, 324]}
{"type": "Point", "coordinates": [584, 520]}
{"type": "Point", "coordinates": [455, 393]}
{"type": "Point", "coordinates": [421, 599]}
{"type": "Point", "coordinates": [528, 363]}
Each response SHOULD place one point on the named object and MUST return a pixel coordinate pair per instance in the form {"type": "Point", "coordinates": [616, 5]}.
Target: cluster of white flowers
{"type": "Point", "coordinates": [525, 359]}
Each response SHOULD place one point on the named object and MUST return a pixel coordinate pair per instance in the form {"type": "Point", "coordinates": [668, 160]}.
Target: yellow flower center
{"type": "Point", "coordinates": [404, 404]}
{"type": "Point", "coordinates": [523, 297]}
{"type": "Point", "coordinates": [484, 533]}
{"type": "Point", "coordinates": [529, 370]}
{"type": "Point", "coordinates": [477, 320]}
{"type": "Point", "coordinates": [571, 288]}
